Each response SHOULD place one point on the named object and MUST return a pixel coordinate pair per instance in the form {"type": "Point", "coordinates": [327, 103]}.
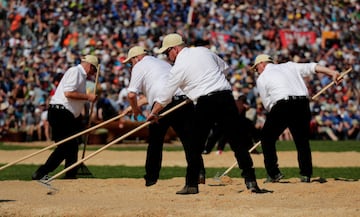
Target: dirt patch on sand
{"type": "Point", "coordinates": [129, 197]}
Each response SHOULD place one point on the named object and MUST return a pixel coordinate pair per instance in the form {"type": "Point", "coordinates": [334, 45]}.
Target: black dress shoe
{"type": "Point", "coordinates": [188, 190]}
{"type": "Point", "coordinates": [274, 179]}
{"type": "Point", "coordinates": [37, 175]}
{"type": "Point", "coordinates": [253, 187]}
{"type": "Point", "coordinates": [149, 183]}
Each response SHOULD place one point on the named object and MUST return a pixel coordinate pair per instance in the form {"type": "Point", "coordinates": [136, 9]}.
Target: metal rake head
{"type": "Point", "coordinates": [223, 178]}
{"type": "Point", "coordinates": [84, 172]}
{"type": "Point", "coordinates": [44, 181]}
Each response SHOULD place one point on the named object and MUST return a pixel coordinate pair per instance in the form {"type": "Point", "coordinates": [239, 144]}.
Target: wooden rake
{"type": "Point", "coordinates": [83, 170]}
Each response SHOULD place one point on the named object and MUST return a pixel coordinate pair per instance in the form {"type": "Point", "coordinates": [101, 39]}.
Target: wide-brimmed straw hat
{"type": "Point", "coordinates": [133, 52]}
{"type": "Point", "coordinates": [262, 58]}
{"type": "Point", "coordinates": [93, 60]}
{"type": "Point", "coordinates": [171, 40]}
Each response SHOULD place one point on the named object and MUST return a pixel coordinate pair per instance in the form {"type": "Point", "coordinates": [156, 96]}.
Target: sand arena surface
{"type": "Point", "coordinates": [129, 197]}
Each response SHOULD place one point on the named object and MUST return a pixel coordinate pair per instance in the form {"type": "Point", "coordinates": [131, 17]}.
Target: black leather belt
{"type": "Point", "coordinates": [57, 106]}
{"type": "Point", "coordinates": [292, 98]}
{"type": "Point", "coordinates": [217, 92]}
{"type": "Point", "coordinates": [179, 97]}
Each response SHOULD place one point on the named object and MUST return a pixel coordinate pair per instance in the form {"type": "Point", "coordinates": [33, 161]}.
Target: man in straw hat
{"type": "Point", "coordinates": [148, 76]}
{"type": "Point", "coordinates": [285, 96]}
{"type": "Point", "coordinates": [200, 74]}
{"type": "Point", "coordinates": [64, 115]}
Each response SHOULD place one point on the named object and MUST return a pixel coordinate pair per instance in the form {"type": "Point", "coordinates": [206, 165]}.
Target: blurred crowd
{"type": "Point", "coordinates": [40, 40]}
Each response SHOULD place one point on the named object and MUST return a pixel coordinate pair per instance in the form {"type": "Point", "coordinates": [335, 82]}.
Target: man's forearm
{"type": "Point", "coordinates": [156, 108]}
{"type": "Point", "coordinates": [76, 95]}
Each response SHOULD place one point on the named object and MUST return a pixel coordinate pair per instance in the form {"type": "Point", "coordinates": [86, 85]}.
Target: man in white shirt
{"type": "Point", "coordinates": [149, 76]}
{"type": "Point", "coordinates": [199, 73]}
{"type": "Point", "coordinates": [64, 116]}
{"type": "Point", "coordinates": [285, 96]}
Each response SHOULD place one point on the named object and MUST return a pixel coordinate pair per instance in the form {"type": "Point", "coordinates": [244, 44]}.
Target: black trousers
{"type": "Point", "coordinates": [181, 121]}
{"type": "Point", "coordinates": [294, 114]}
{"type": "Point", "coordinates": [220, 108]}
{"type": "Point", "coordinates": [63, 125]}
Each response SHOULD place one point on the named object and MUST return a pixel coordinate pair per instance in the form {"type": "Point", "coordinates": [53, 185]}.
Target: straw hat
{"type": "Point", "coordinates": [93, 60]}
{"type": "Point", "coordinates": [133, 52]}
{"type": "Point", "coordinates": [171, 40]}
{"type": "Point", "coordinates": [262, 58]}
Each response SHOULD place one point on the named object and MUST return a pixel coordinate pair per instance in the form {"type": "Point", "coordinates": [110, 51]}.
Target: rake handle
{"type": "Point", "coordinates": [91, 111]}
{"type": "Point", "coordinates": [234, 164]}
{"type": "Point", "coordinates": [330, 84]}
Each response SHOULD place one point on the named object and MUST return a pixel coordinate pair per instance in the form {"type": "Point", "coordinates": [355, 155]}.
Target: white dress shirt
{"type": "Point", "coordinates": [149, 77]}
{"type": "Point", "coordinates": [279, 81]}
{"type": "Point", "coordinates": [74, 79]}
{"type": "Point", "coordinates": [197, 71]}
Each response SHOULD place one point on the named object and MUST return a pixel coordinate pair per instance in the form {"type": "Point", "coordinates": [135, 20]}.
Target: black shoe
{"type": "Point", "coordinates": [188, 190]}
{"type": "Point", "coordinates": [201, 178]}
{"type": "Point", "coordinates": [37, 175]}
{"type": "Point", "coordinates": [149, 183]}
{"type": "Point", "coordinates": [274, 179]}
{"type": "Point", "coordinates": [253, 187]}
{"type": "Point", "coordinates": [305, 179]}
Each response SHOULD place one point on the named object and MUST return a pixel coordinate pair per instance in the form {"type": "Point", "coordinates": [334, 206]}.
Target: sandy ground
{"type": "Point", "coordinates": [129, 197]}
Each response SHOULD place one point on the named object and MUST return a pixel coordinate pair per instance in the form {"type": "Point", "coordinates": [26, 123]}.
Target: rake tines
{"type": "Point", "coordinates": [84, 172]}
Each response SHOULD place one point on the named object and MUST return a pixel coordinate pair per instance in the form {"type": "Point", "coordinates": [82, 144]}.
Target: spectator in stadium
{"type": "Point", "coordinates": [46, 37]}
